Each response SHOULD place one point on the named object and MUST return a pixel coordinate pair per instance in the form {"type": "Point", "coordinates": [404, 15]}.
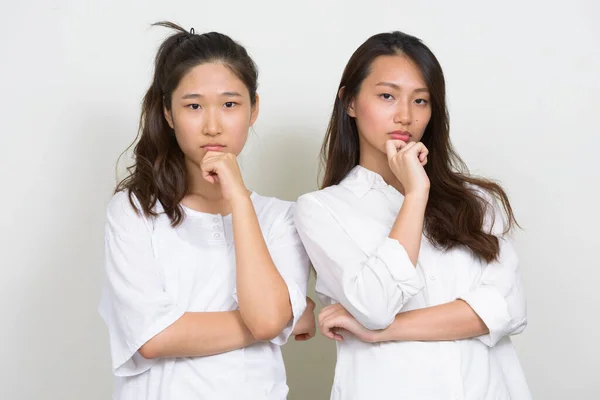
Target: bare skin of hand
{"type": "Point", "coordinates": [306, 327]}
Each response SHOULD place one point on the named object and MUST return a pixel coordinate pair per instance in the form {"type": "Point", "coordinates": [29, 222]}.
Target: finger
{"type": "Point", "coordinates": [326, 327]}
{"type": "Point", "coordinates": [336, 334]}
{"type": "Point", "coordinates": [212, 154]}
{"type": "Point", "coordinates": [209, 176]}
{"type": "Point", "coordinates": [302, 337]}
{"type": "Point", "coordinates": [327, 311]}
{"type": "Point", "coordinates": [393, 146]}
{"type": "Point", "coordinates": [416, 148]}
{"type": "Point", "coordinates": [424, 162]}
{"type": "Point", "coordinates": [326, 332]}
{"type": "Point", "coordinates": [407, 147]}
{"type": "Point", "coordinates": [423, 154]}
{"type": "Point", "coordinates": [332, 326]}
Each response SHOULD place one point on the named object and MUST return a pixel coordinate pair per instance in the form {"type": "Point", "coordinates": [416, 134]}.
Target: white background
{"type": "Point", "coordinates": [523, 91]}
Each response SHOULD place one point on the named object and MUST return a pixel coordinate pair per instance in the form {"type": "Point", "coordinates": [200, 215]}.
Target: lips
{"type": "Point", "coordinates": [400, 135]}
{"type": "Point", "coordinates": [213, 147]}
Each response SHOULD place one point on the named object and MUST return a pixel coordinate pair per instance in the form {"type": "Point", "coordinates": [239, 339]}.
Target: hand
{"type": "Point", "coordinates": [305, 327]}
{"type": "Point", "coordinates": [406, 160]}
{"type": "Point", "coordinates": [334, 319]}
{"type": "Point", "coordinates": [223, 168]}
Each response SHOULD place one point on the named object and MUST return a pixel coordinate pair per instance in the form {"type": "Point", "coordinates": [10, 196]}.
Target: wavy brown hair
{"type": "Point", "coordinates": [457, 205]}
{"type": "Point", "coordinates": [158, 173]}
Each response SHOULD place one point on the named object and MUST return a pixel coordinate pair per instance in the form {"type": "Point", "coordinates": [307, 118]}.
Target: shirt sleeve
{"type": "Point", "coordinates": [290, 258]}
{"type": "Point", "coordinates": [499, 297]}
{"type": "Point", "coordinates": [134, 305]}
{"type": "Point", "coordinates": [373, 286]}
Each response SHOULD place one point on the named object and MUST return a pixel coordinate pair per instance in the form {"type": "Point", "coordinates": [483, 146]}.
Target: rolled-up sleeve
{"type": "Point", "coordinates": [499, 296]}
{"type": "Point", "coordinates": [290, 259]}
{"type": "Point", "coordinates": [134, 305]}
{"type": "Point", "coordinates": [374, 286]}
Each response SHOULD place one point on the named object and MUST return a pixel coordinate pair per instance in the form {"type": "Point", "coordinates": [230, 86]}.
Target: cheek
{"type": "Point", "coordinates": [236, 130]}
{"type": "Point", "coordinates": [421, 121]}
{"type": "Point", "coordinates": [372, 118]}
{"type": "Point", "coordinates": [186, 129]}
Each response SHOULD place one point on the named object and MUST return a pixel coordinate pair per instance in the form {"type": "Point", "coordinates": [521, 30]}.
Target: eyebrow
{"type": "Point", "coordinates": [198, 95]}
{"type": "Point", "coordinates": [394, 86]}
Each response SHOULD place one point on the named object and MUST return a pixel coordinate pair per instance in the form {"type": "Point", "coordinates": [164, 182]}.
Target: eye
{"type": "Point", "coordinates": [421, 101]}
{"type": "Point", "coordinates": [230, 104]}
{"type": "Point", "coordinates": [386, 96]}
{"type": "Point", "coordinates": [194, 106]}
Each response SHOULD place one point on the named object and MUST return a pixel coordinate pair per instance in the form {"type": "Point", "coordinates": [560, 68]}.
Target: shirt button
{"type": "Point", "coordinates": [432, 277]}
{"type": "Point", "coordinates": [216, 227]}
{"type": "Point", "coordinates": [215, 219]}
{"type": "Point", "coordinates": [217, 235]}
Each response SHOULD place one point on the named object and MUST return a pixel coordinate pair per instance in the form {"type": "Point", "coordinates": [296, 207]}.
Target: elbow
{"type": "Point", "coordinates": [376, 321]}
{"type": "Point", "coordinates": [268, 326]}
{"type": "Point", "coordinates": [518, 316]}
{"type": "Point", "coordinates": [269, 322]}
{"type": "Point", "coordinates": [148, 351]}
{"type": "Point", "coordinates": [520, 326]}
{"type": "Point", "coordinates": [266, 330]}
{"type": "Point", "coordinates": [376, 312]}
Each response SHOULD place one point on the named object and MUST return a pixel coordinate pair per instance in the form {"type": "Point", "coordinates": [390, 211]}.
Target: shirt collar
{"type": "Point", "coordinates": [360, 180]}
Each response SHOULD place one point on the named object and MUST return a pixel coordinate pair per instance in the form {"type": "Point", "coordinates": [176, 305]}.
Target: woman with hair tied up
{"type": "Point", "coordinates": [412, 253]}
{"type": "Point", "coordinates": [205, 279]}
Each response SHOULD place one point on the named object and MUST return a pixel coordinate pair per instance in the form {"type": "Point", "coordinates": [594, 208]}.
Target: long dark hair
{"type": "Point", "coordinates": [457, 206]}
{"type": "Point", "coordinates": [158, 173]}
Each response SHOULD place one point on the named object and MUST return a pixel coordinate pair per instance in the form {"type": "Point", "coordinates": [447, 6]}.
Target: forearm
{"type": "Point", "coordinates": [200, 334]}
{"type": "Point", "coordinates": [451, 321]}
{"type": "Point", "coordinates": [263, 296]}
{"type": "Point", "coordinates": [408, 227]}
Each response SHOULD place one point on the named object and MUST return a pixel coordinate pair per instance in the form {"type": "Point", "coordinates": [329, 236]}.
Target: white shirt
{"type": "Point", "coordinates": [345, 231]}
{"type": "Point", "coordinates": [155, 273]}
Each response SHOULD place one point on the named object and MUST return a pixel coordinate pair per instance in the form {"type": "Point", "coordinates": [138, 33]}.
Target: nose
{"type": "Point", "coordinates": [403, 114]}
{"type": "Point", "coordinates": [212, 124]}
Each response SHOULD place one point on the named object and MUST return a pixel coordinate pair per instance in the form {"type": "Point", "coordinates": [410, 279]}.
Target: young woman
{"type": "Point", "coordinates": [411, 253]}
{"type": "Point", "coordinates": [205, 279]}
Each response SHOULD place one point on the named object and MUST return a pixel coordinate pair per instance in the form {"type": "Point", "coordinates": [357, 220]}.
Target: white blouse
{"type": "Point", "coordinates": [345, 231]}
{"type": "Point", "coordinates": [155, 273]}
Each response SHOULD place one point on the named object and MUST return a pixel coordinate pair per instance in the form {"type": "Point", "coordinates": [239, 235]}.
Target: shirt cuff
{"type": "Point", "coordinates": [393, 255]}
{"type": "Point", "coordinates": [492, 308]}
{"type": "Point", "coordinates": [298, 302]}
{"type": "Point", "coordinates": [129, 362]}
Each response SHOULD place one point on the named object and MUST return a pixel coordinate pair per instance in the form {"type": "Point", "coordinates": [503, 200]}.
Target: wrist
{"type": "Point", "coordinates": [394, 332]}
{"type": "Point", "coordinates": [240, 197]}
{"type": "Point", "coordinates": [418, 196]}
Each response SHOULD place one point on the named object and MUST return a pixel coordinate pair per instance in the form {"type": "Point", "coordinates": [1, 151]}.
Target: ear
{"type": "Point", "coordinates": [350, 109]}
{"type": "Point", "coordinates": [255, 109]}
{"type": "Point", "coordinates": [168, 115]}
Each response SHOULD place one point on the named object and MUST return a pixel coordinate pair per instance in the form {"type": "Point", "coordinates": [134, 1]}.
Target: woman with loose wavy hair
{"type": "Point", "coordinates": [410, 250]}
{"type": "Point", "coordinates": [205, 278]}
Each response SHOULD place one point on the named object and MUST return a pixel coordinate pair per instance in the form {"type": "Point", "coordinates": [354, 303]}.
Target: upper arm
{"type": "Point", "coordinates": [290, 259]}
{"type": "Point", "coordinates": [499, 296]}
{"type": "Point", "coordinates": [372, 285]}
{"type": "Point", "coordinates": [134, 304]}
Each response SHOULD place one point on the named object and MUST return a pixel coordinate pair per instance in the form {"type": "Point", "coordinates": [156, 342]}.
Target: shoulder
{"type": "Point", "coordinates": [122, 204]}
{"type": "Point", "coordinates": [270, 207]}
{"type": "Point", "coordinates": [124, 212]}
{"type": "Point", "coordinates": [322, 197]}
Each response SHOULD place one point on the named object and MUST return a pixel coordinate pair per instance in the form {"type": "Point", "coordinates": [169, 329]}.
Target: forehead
{"type": "Point", "coordinates": [397, 69]}
{"type": "Point", "coordinates": [211, 77]}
